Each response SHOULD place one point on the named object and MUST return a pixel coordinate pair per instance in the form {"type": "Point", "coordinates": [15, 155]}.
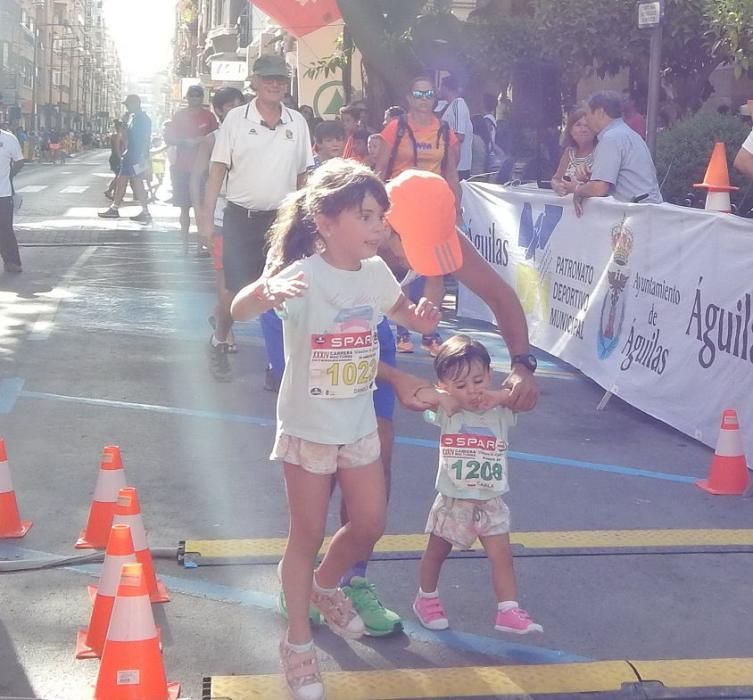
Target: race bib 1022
{"type": "Point", "coordinates": [343, 365]}
{"type": "Point", "coordinates": [474, 461]}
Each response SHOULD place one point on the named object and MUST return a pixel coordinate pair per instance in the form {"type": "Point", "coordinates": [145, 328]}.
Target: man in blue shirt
{"type": "Point", "coordinates": [622, 165]}
{"type": "Point", "coordinates": [134, 166]}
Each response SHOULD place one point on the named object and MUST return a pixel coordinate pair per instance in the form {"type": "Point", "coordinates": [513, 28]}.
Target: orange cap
{"type": "Point", "coordinates": [111, 458]}
{"type": "Point", "coordinates": [423, 212]}
{"type": "Point", "coordinates": [128, 502]}
{"type": "Point", "coordinates": [3, 453]}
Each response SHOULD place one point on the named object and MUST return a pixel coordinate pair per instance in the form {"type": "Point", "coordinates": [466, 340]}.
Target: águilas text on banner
{"type": "Point", "coordinates": [721, 330]}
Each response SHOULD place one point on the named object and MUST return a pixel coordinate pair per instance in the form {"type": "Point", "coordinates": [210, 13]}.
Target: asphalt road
{"type": "Point", "coordinates": [103, 341]}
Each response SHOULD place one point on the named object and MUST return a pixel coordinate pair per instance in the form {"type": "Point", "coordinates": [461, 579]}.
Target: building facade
{"type": "Point", "coordinates": [59, 69]}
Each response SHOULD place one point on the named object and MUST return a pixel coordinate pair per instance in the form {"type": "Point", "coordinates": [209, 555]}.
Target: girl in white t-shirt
{"type": "Point", "coordinates": [331, 290]}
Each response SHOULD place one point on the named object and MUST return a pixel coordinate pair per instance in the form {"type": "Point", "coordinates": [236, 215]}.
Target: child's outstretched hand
{"type": "Point", "coordinates": [491, 398]}
{"type": "Point", "coordinates": [276, 290]}
{"type": "Point", "coordinates": [427, 316]}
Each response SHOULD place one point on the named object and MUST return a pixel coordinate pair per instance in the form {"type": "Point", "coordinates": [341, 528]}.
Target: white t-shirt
{"type": "Point", "coordinates": [10, 152]}
{"type": "Point", "coordinates": [263, 163]}
{"type": "Point", "coordinates": [748, 143]}
{"type": "Point", "coordinates": [472, 452]}
{"type": "Point", "coordinates": [458, 117]}
{"type": "Point", "coordinates": [332, 350]}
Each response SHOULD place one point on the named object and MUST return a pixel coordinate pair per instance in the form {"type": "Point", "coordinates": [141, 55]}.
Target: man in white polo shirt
{"type": "Point", "coordinates": [264, 150]}
{"type": "Point", "coordinates": [11, 161]}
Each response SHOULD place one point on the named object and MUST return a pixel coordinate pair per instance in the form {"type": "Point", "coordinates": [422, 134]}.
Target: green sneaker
{"type": "Point", "coordinates": [315, 616]}
{"type": "Point", "coordinates": [378, 620]}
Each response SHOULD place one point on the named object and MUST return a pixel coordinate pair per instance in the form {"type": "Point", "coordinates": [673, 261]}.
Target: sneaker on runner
{"type": "Point", "coordinates": [219, 365]}
{"type": "Point", "coordinates": [379, 621]}
{"type": "Point", "coordinates": [143, 217]}
{"type": "Point", "coordinates": [404, 343]}
{"type": "Point", "coordinates": [111, 213]}
{"type": "Point", "coordinates": [314, 617]}
{"type": "Point", "coordinates": [301, 671]}
{"type": "Point", "coordinates": [430, 612]}
{"type": "Point", "coordinates": [431, 343]}
{"type": "Point", "coordinates": [516, 621]}
{"type": "Point", "coordinates": [337, 611]}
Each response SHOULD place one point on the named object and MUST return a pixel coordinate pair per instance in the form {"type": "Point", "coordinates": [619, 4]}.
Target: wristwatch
{"type": "Point", "coordinates": [527, 360]}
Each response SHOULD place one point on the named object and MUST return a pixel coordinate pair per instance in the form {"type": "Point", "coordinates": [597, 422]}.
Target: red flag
{"type": "Point", "coordinates": [300, 17]}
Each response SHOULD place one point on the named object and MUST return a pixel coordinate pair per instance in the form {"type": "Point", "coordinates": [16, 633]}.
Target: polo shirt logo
{"type": "Point", "coordinates": [252, 131]}
{"type": "Point", "coordinates": [288, 134]}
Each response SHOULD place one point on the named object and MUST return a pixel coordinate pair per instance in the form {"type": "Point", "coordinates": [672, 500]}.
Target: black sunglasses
{"type": "Point", "coordinates": [423, 94]}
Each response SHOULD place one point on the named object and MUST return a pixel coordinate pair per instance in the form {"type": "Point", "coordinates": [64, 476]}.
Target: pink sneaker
{"type": "Point", "coordinates": [516, 621]}
{"type": "Point", "coordinates": [337, 611]}
{"type": "Point", "coordinates": [301, 672]}
{"type": "Point", "coordinates": [430, 613]}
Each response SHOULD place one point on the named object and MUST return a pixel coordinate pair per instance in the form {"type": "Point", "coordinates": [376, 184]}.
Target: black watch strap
{"type": "Point", "coordinates": [527, 360]}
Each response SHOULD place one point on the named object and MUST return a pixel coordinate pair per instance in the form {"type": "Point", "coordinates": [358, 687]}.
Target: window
{"type": "Point", "coordinates": [57, 78]}
{"type": "Point", "coordinates": [5, 55]}
{"type": "Point", "coordinates": [27, 71]}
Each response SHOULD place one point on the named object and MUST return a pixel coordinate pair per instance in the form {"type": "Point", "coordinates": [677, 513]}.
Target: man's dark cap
{"type": "Point", "coordinates": [132, 97]}
{"type": "Point", "coordinates": [195, 90]}
{"type": "Point", "coordinates": [270, 65]}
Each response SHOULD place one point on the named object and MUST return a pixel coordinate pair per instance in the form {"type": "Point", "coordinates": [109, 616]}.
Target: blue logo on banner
{"type": "Point", "coordinates": [533, 236]}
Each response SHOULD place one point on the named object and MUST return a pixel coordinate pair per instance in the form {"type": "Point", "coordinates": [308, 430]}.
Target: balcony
{"type": "Point", "coordinates": [222, 39]}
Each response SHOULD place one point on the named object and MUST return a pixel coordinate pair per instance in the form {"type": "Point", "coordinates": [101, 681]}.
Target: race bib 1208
{"type": "Point", "coordinates": [343, 365]}
{"type": "Point", "coordinates": [474, 461]}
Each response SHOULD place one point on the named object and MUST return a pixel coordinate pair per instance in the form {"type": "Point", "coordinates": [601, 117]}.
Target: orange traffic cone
{"type": "Point", "coordinates": [91, 641]}
{"type": "Point", "coordinates": [728, 475]}
{"type": "Point", "coordinates": [716, 181]}
{"type": "Point", "coordinates": [128, 512]}
{"type": "Point", "coordinates": [110, 480]}
{"type": "Point", "coordinates": [132, 667]}
{"type": "Point", "coordinates": [11, 524]}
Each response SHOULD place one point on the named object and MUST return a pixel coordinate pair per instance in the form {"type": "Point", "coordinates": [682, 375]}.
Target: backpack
{"type": "Point", "coordinates": [403, 127]}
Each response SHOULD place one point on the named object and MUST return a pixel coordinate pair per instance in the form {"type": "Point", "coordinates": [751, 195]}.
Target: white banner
{"type": "Point", "coordinates": [229, 71]}
{"type": "Point", "coordinates": [653, 302]}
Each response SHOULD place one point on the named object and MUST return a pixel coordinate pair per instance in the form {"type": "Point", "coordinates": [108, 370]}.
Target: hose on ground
{"type": "Point", "coordinates": [18, 565]}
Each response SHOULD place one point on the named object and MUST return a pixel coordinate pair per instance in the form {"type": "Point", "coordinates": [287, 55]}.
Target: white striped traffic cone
{"type": "Point", "coordinates": [128, 512]}
{"type": "Point", "coordinates": [11, 524]}
{"type": "Point", "coordinates": [132, 667]}
{"type": "Point", "coordinates": [110, 480]}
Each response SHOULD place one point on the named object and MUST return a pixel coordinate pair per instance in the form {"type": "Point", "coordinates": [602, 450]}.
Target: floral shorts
{"type": "Point", "coordinates": [326, 459]}
{"type": "Point", "coordinates": [460, 521]}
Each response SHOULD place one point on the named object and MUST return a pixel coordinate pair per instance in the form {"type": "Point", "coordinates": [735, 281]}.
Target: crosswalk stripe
{"type": "Point", "coordinates": [74, 189]}
{"type": "Point", "coordinates": [29, 189]}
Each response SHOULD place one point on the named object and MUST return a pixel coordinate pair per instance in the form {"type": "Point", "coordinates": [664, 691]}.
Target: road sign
{"type": "Point", "coordinates": [650, 14]}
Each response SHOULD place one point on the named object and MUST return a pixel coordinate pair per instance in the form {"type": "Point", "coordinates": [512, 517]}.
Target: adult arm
{"type": "Point", "coordinates": [482, 280]}
{"type": "Point", "coordinates": [305, 155]}
{"type": "Point", "coordinates": [744, 162]}
{"type": "Point", "coordinates": [451, 175]}
{"type": "Point", "coordinates": [592, 188]}
{"type": "Point", "coordinates": [205, 218]}
{"type": "Point", "coordinates": [560, 186]}
{"type": "Point", "coordinates": [16, 156]}
{"type": "Point", "coordinates": [199, 171]}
